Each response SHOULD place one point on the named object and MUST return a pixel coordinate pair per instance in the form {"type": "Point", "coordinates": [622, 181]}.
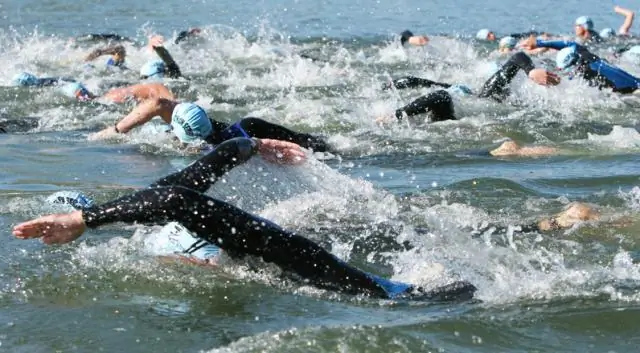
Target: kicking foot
{"type": "Point", "coordinates": [53, 229]}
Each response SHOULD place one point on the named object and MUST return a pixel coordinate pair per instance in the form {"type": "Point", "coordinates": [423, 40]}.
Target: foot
{"type": "Point", "coordinates": [53, 229]}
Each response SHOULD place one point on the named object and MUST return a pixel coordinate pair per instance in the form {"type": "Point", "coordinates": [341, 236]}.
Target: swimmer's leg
{"type": "Point", "coordinates": [438, 103]}
{"type": "Point", "coordinates": [204, 172]}
{"type": "Point", "coordinates": [497, 86]}
{"type": "Point", "coordinates": [413, 82]}
{"type": "Point", "coordinates": [259, 128]}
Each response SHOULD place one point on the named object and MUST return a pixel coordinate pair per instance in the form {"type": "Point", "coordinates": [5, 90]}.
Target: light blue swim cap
{"type": "Point", "coordinates": [190, 123]}
{"type": "Point", "coordinates": [460, 90]}
{"type": "Point", "coordinates": [585, 22]}
{"type": "Point", "coordinates": [153, 69]}
{"type": "Point", "coordinates": [75, 199]}
{"type": "Point", "coordinates": [483, 34]}
{"type": "Point", "coordinates": [566, 57]}
{"type": "Point", "coordinates": [508, 42]}
{"type": "Point", "coordinates": [608, 33]}
{"type": "Point", "coordinates": [73, 89]}
{"type": "Point", "coordinates": [25, 79]}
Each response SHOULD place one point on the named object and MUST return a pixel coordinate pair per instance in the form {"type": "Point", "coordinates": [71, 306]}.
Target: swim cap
{"type": "Point", "coordinates": [404, 36]}
{"type": "Point", "coordinates": [507, 42]}
{"type": "Point", "coordinates": [190, 123]}
{"type": "Point", "coordinates": [566, 57]}
{"type": "Point", "coordinates": [26, 79]}
{"type": "Point", "coordinates": [154, 68]}
{"type": "Point", "coordinates": [460, 90]}
{"type": "Point", "coordinates": [585, 22]}
{"type": "Point", "coordinates": [75, 90]}
{"type": "Point", "coordinates": [607, 33]}
{"type": "Point", "coordinates": [483, 34]}
{"type": "Point", "coordinates": [75, 199]}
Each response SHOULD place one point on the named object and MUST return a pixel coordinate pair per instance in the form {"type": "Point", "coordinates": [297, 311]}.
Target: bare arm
{"type": "Point", "coordinates": [112, 50]}
{"type": "Point", "coordinates": [628, 19]}
{"type": "Point", "coordinates": [140, 115]}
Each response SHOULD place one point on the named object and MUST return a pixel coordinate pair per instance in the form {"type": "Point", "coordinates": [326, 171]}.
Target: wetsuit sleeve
{"type": "Point", "coordinates": [173, 71]}
{"type": "Point", "coordinates": [204, 172]}
{"type": "Point", "coordinates": [438, 103]}
{"type": "Point", "coordinates": [241, 233]}
{"type": "Point", "coordinates": [256, 127]}
{"type": "Point", "coordinates": [497, 86]}
{"type": "Point", "coordinates": [555, 44]}
{"type": "Point", "coordinates": [413, 82]}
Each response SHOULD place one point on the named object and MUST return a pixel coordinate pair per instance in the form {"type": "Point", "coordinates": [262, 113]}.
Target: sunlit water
{"type": "Point", "coordinates": [416, 203]}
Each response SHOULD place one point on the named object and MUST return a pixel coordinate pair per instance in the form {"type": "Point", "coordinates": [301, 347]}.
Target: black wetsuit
{"type": "Point", "coordinates": [180, 198]}
{"type": "Point", "coordinates": [258, 128]}
{"type": "Point", "coordinates": [439, 104]}
{"type": "Point", "coordinates": [103, 37]}
{"type": "Point", "coordinates": [497, 86]}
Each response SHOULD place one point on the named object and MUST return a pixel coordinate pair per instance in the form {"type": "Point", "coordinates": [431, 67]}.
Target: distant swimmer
{"type": "Point", "coordinates": [191, 124]}
{"type": "Point", "coordinates": [181, 198]}
{"type": "Point", "coordinates": [486, 35]}
{"type": "Point", "coordinates": [575, 59]}
{"type": "Point", "coordinates": [407, 37]}
{"type": "Point", "coordinates": [26, 79]}
{"type": "Point", "coordinates": [585, 32]}
{"type": "Point", "coordinates": [186, 35]}
{"type": "Point", "coordinates": [156, 69]}
{"type": "Point", "coordinates": [624, 30]}
{"type": "Point", "coordinates": [102, 37]}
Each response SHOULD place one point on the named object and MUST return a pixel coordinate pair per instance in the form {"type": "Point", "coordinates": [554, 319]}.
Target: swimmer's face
{"type": "Point", "coordinates": [580, 31]}
{"type": "Point", "coordinates": [491, 36]}
{"type": "Point", "coordinates": [118, 57]}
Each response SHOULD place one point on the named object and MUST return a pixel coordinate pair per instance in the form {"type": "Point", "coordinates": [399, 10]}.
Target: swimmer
{"type": "Point", "coordinates": [158, 69]}
{"type": "Point", "coordinates": [407, 37]}
{"type": "Point", "coordinates": [485, 35]}
{"type": "Point", "coordinates": [102, 37]}
{"type": "Point", "coordinates": [117, 54]}
{"type": "Point", "coordinates": [184, 36]}
{"type": "Point", "coordinates": [25, 79]}
{"type": "Point", "coordinates": [585, 32]}
{"type": "Point", "coordinates": [139, 92]}
{"type": "Point", "coordinates": [507, 45]}
{"type": "Point", "coordinates": [439, 104]}
{"type": "Point", "coordinates": [181, 198]}
{"type": "Point", "coordinates": [575, 59]}
{"type": "Point", "coordinates": [512, 149]}
{"type": "Point", "coordinates": [191, 124]}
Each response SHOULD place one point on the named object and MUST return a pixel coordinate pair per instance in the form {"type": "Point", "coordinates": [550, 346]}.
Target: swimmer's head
{"type": "Point", "coordinates": [76, 90]}
{"type": "Point", "coordinates": [404, 37]}
{"type": "Point", "coordinates": [583, 25]}
{"type": "Point", "coordinates": [507, 43]}
{"type": "Point", "coordinates": [566, 58]}
{"type": "Point", "coordinates": [608, 33]}
{"type": "Point", "coordinates": [485, 34]}
{"type": "Point", "coordinates": [153, 69]}
{"type": "Point", "coordinates": [190, 123]}
{"type": "Point", "coordinates": [460, 90]}
{"type": "Point", "coordinates": [26, 79]}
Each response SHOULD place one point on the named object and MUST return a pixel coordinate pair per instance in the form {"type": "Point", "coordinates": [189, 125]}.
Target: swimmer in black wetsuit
{"type": "Point", "coordinates": [190, 124]}
{"type": "Point", "coordinates": [180, 198]}
{"type": "Point", "coordinates": [407, 37]}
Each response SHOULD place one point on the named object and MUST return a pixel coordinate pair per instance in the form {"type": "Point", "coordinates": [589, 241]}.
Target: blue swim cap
{"type": "Point", "coordinates": [508, 42]}
{"type": "Point", "coordinates": [607, 33]}
{"type": "Point", "coordinates": [75, 199]}
{"type": "Point", "coordinates": [585, 22]}
{"type": "Point", "coordinates": [75, 90]}
{"type": "Point", "coordinates": [566, 58]}
{"type": "Point", "coordinates": [26, 79]}
{"type": "Point", "coordinates": [153, 69]}
{"type": "Point", "coordinates": [483, 34]}
{"type": "Point", "coordinates": [460, 90]}
{"type": "Point", "coordinates": [190, 123]}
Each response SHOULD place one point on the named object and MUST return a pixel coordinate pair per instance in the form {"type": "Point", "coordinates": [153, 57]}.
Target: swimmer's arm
{"type": "Point", "coordinates": [112, 50]}
{"type": "Point", "coordinates": [173, 71]}
{"type": "Point", "coordinates": [184, 35]}
{"type": "Point", "coordinates": [208, 169]}
{"type": "Point", "coordinates": [412, 82]}
{"type": "Point", "coordinates": [555, 44]}
{"type": "Point", "coordinates": [143, 113]}
{"type": "Point", "coordinates": [628, 19]}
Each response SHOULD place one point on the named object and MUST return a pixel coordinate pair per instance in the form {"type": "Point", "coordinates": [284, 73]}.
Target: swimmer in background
{"type": "Point", "coordinates": [191, 125]}
{"type": "Point", "coordinates": [181, 198]}
{"type": "Point", "coordinates": [407, 37]}
{"type": "Point", "coordinates": [117, 55]}
{"type": "Point", "coordinates": [624, 30]}
{"type": "Point", "coordinates": [584, 30]}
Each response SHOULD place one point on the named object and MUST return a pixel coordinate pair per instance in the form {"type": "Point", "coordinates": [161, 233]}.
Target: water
{"type": "Point", "coordinates": [402, 202]}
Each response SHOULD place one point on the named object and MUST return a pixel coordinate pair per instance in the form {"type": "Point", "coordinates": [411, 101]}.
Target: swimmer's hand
{"type": "Point", "coordinates": [53, 229]}
{"type": "Point", "coordinates": [280, 152]}
{"type": "Point", "coordinates": [543, 77]}
{"type": "Point", "coordinates": [104, 134]}
{"type": "Point", "coordinates": [156, 41]}
{"type": "Point", "coordinates": [529, 43]}
{"type": "Point", "coordinates": [384, 120]}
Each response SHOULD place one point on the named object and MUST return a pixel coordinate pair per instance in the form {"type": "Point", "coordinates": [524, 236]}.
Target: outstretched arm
{"type": "Point", "coordinates": [111, 50]}
{"type": "Point", "coordinates": [628, 19]}
{"type": "Point", "coordinates": [173, 71]}
{"type": "Point", "coordinates": [412, 82]}
{"type": "Point", "coordinates": [140, 115]}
